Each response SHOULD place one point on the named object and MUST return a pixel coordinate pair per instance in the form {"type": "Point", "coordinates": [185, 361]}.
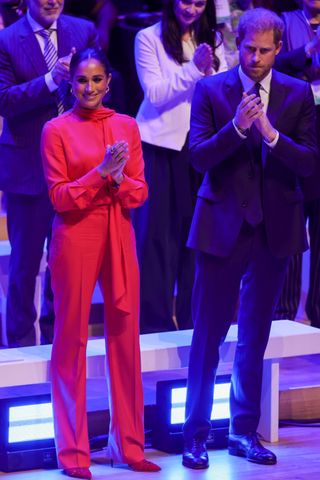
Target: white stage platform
{"type": "Point", "coordinates": [170, 351]}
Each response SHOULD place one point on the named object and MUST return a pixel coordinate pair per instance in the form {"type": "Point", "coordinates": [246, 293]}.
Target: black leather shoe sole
{"type": "Point", "coordinates": [237, 452]}
{"type": "Point", "coordinates": [194, 465]}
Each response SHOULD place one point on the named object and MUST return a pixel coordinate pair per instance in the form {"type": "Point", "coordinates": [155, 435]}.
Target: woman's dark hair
{"type": "Point", "coordinates": [82, 55]}
{"type": "Point", "coordinates": [204, 31]}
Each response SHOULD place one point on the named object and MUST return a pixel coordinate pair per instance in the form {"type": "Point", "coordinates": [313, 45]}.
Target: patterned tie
{"type": "Point", "coordinates": [51, 57]}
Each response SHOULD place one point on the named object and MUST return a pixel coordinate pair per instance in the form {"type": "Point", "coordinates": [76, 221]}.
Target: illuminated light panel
{"type": "Point", "coordinates": [30, 422]}
{"type": "Point", "coordinates": [220, 409]}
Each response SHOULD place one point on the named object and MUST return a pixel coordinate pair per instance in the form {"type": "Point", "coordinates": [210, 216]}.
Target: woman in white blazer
{"type": "Point", "coordinates": [171, 56]}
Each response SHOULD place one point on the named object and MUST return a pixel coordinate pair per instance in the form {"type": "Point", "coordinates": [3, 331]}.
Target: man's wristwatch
{"type": "Point", "coordinates": [243, 131]}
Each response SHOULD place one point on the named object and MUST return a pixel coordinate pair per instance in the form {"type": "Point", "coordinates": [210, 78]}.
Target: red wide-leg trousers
{"type": "Point", "coordinates": [79, 256]}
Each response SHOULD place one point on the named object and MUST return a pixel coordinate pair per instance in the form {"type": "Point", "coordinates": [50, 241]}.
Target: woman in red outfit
{"type": "Point", "coordinates": [94, 169]}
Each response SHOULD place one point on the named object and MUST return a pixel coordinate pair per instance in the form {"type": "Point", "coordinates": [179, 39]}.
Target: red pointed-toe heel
{"type": "Point", "coordinates": [144, 466]}
{"type": "Point", "coordinates": [78, 472]}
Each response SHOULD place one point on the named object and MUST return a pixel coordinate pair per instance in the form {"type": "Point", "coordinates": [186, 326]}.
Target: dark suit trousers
{"type": "Point", "coordinates": [29, 219]}
{"type": "Point", "coordinates": [290, 297]}
{"type": "Point", "coordinates": [162, 226]}
{"type": "Point", "coordinates": [215, 297]}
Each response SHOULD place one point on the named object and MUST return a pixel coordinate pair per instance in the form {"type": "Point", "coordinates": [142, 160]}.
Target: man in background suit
{"type": "Point", "coordinates": [30, 95]}
{"type": "Point", "coordinates": [300, 57]}
{"type": "Point", "coordinates": [248, 221]}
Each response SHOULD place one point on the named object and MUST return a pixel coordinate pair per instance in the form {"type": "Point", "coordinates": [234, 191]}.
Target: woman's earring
{"type": "Point", "coordinates": [108, 89]}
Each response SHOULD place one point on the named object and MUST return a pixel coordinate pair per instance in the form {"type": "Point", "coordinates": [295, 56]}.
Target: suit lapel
{"type": "Point", "coordinates": [233, 88]}
{"type": "Point", "coordinates": [275, 106]}
{"type": "Point", "coordinates": [276, 99]}
{"type": "Point", "coordinates": [31, 48]}
{"type": "Point", "coordinates": [64, 37]}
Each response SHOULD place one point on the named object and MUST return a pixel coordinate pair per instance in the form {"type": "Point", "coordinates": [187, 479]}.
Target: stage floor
{"type": "Point", "coordinates": [297, 451]}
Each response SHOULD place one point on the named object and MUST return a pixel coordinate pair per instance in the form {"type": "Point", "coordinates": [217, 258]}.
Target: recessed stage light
{"type": "Point", "coordinates": [26, 433]}
{"type": "Point", "coordinates": [170, 414]}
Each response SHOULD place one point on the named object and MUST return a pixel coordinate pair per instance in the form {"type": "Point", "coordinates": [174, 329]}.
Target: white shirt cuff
{"type": "Point", "coordinates": [238, 131]}
{"type": "Point", "coordinates": [274, 142]}
{"type": "Point", "coordinates": [51, 84]}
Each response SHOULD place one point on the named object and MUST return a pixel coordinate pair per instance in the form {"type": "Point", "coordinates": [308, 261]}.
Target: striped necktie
{"type": "Point", "coordinates": [51, 57]}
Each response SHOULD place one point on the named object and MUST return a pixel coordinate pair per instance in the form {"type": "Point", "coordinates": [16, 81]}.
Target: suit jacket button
{"type": "Point", "coordinates": [244, 204]}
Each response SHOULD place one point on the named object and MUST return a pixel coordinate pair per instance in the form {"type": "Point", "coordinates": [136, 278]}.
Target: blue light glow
{"type": "Point", "coordinates": [30, 422]}
{"type": "Point", "coordinates": [220, 409]}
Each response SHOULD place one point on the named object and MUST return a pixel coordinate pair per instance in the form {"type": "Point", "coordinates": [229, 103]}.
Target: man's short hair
{"type": "Point", "coordinates": [260, 20]}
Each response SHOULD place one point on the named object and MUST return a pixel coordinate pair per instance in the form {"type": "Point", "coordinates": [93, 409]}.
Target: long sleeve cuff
{"type": "Point", "coordinates": [51, 84]}
{"type": "Point", "coordinates": [241, 135]}
{"type": "Point", "coordinates": [274, 142]}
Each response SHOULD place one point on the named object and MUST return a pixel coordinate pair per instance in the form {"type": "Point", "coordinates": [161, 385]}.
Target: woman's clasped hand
{"type": "Point", "coordinates": [203, 58]}
{"type": "Point", "coordinates": [114, 161]}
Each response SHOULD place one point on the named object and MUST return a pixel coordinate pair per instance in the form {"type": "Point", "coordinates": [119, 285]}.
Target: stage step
{"type": "Point", "coordinates": [300, 388]}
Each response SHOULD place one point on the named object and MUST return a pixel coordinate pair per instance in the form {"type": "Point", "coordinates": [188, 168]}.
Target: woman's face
{"type": "Point", "coordinates": [90, 83]}
{"type": "Point", "coordinates": [188, 11]}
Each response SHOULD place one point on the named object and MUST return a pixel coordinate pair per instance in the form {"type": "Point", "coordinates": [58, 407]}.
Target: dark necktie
{"type": "Point", "coordinates": [256, 89]}
{"type": "Point", "coordinates": [255, 135]}
{"type": "Point", "coordinates": [254, 214]}
{"type": "Point", "coordinates": [51, 57]}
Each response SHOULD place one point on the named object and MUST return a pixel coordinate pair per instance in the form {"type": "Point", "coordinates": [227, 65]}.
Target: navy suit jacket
{"type": "Point", "coordinates": [25, 100]}
{"type": "Point", "coordinates": [295, 63]}
{"type": "Point", "coordinates": [226, 159]}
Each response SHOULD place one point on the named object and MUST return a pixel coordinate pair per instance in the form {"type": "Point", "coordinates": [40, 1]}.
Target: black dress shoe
{"type": "Point", "coordinates": [195, 455]}
{"type": "Point", "coordinates": [249, 446]}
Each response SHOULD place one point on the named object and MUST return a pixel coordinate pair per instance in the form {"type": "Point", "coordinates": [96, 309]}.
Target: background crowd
{"type": "Point", "coordinates": [162, 224]}
{"type": "Point", "coordinates": [237, 188]}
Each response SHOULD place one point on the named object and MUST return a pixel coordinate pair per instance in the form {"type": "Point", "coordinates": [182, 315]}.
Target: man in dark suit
{"type": "Point", "coordinates": [30, 95]}
{"type": "Point", "coordinates": [253, 149]}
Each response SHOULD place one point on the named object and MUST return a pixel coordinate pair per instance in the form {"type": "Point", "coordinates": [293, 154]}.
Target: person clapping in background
{"type": "Point", "coordinates": [171, 56]}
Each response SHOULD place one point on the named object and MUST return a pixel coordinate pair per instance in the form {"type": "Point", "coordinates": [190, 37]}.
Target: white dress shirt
{"type": "Point", "coordinates": [164, 115]}
{"type": "Point", "coordinates": [36, 27]}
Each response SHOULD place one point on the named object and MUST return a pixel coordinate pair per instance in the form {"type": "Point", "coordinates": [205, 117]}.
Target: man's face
{"type": "Point", "coordinates": [45, 12]}
{"type": "Point", "coordinates": [257, 53]}
{"type": "Point", "coordinates": [311, 5]}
